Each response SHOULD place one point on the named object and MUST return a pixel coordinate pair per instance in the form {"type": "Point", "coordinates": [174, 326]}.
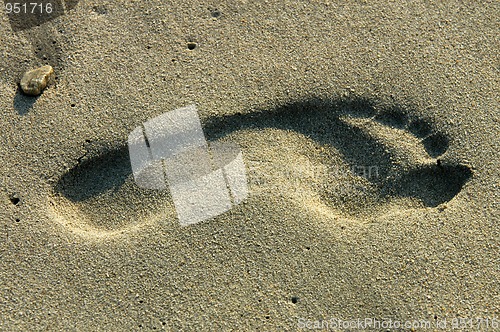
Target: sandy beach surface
{"type": "Point", "coordinates": [370, 137]}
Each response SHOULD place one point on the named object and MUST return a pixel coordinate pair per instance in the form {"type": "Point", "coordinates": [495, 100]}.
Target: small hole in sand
{"type": "Point", "coordinates": [215, 13]}
{"type": "Point", "coordinates": [73, 105]}
{"type": "Point", "coordinates": [14, 199]}
{"type": "Point", "coordinates": [18, 220]}
{"type": "Point", "coordinates": [191, 45]}
{"type": "Point", "coordinates": [295, 299]}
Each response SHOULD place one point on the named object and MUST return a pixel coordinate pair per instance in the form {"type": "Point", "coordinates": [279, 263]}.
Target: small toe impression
{"type": "Point", "coordinates": [392, 118]}
{"type": "Point", "coordinates": [436, 144]}
{"type": "Point", "coordinates": [420, 128]}
{"type": "Point", "coordinates": [358, 107]}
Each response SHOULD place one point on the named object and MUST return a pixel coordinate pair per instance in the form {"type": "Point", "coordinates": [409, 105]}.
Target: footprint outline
{"type": "Point", "coordinates": [314, 118]}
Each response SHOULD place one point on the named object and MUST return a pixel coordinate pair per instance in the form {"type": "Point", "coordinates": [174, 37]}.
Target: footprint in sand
{"type": "Point", "coordinates": [363, 160]}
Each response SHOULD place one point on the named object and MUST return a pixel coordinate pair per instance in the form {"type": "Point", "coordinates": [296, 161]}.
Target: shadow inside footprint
{"type": "Point", "coordinates": [433, 185]}
{"type": "Point", "coordinates": [320, 120]}
{"type": "Point", "coordinates": [105, 172]}
{"type": "Point", "coordinates": [103, 185]}
{"type": "Point", "coordinates": [103, 191]}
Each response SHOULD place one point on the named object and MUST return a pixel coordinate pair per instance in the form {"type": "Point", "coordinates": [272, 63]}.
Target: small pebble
{"type": "Point", "coordinates": [34, 81]}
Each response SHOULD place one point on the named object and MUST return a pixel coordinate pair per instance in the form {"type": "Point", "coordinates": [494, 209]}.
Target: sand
{"type": "Point", "coordinates": [370, 135]}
